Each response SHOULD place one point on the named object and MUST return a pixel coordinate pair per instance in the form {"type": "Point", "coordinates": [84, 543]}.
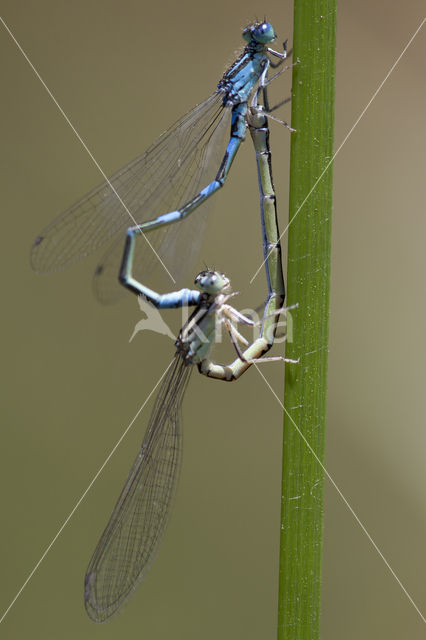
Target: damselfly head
{"type": "Point", "coordinates": [211, 281]}
{"type": "Point", "coordinates": [262, 32]}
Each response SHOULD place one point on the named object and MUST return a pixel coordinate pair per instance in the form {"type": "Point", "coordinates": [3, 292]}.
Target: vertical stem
{"type": "Point", "coordinates": [308, 283]}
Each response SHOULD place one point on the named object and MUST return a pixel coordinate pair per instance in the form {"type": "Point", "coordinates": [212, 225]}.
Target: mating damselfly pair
{"type": "Point", "coordinates": [157, 189]}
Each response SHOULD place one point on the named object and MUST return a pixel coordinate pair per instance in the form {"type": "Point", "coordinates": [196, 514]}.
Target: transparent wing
{"type": "Point", "coordinates": [176, 244]}
{"type": "Point", "coordinates": [132, 536]}
{"type": "Point", "coordinates": [183, 160]}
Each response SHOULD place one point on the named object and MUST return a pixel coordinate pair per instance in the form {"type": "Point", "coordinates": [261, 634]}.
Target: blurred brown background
{"type": "Point", "coordinates": [71, 383]}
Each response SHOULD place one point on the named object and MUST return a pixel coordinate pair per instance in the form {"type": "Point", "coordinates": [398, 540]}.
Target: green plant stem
{"type": "Point", "coordinates": [308, 284]}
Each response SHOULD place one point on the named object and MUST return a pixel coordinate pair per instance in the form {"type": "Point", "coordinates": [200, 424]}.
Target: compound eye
{"type": "Point", "coordinates": [247, 33]}
{"type": "Point", "coordinates": [264, 33]}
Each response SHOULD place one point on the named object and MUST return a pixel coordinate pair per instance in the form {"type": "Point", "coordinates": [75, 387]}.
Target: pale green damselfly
{"type": "Point", "coordinates": [131, 538]}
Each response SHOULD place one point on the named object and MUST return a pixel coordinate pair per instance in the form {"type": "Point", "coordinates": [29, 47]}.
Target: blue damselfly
{"type": "Point", "coordinates": [161, 186]}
